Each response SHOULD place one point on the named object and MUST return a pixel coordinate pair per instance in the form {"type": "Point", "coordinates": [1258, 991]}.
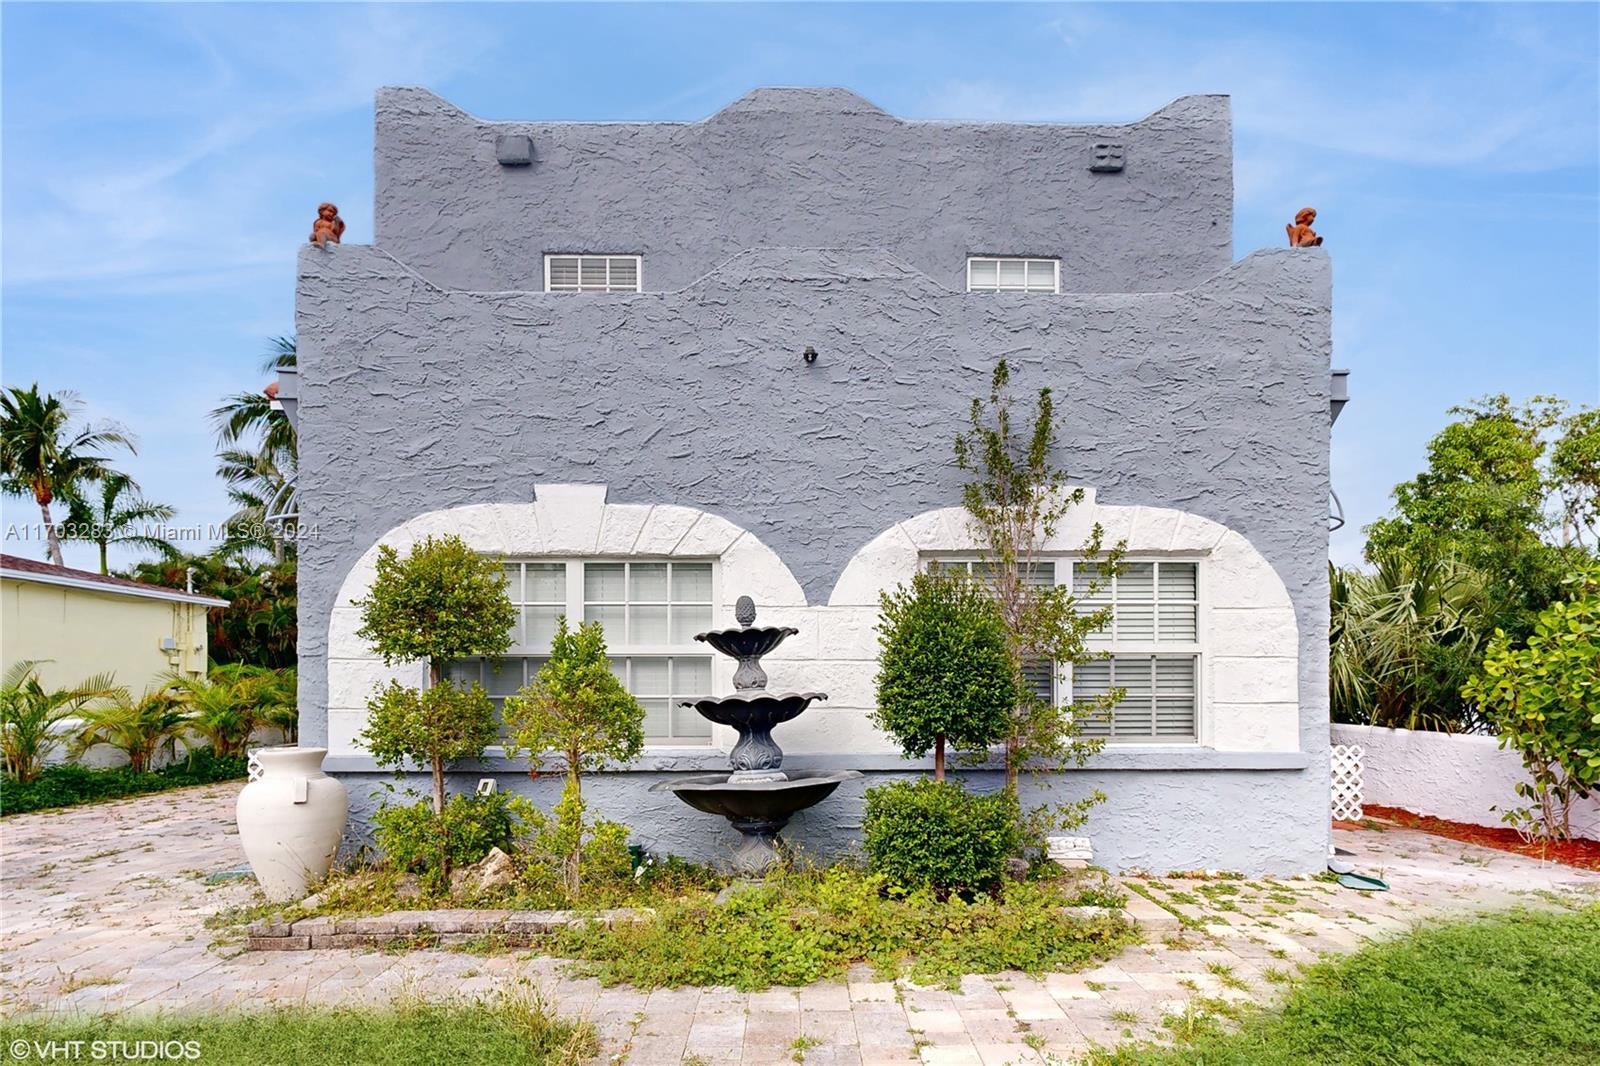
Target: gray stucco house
{"type": "Point", "coordinates": [581, 346]}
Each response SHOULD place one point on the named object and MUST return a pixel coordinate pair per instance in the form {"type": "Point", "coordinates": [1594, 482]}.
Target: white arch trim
{"type": "Point", "coordinates": [569, 521]}
{"type": "Point", "coordinates": [1250, 698]}
{"type": "Point", "coordinates": [1251, 641]}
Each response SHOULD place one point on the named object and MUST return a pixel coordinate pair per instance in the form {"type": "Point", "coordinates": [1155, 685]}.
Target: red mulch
{"type": "Point", "coordinates": [1584, 854]}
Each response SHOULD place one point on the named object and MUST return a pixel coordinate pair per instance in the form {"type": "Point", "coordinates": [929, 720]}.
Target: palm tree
{"type": "Point", "coordinates": [260, 484]}
{"type": "Point", "coordinates": [112, 516]}
{"type": "Point", "coordinates": [222, 708]}
{"type": "Point", "coordinates": [139, 727]}
{"type": "Point", "coordinates": [31, 715]}
{"type": "Point", "coordinates": [42, 455]}
{"type": "Point", "coordinates": [1402, 641]}
{"type": "Point", "coordinates": [248, 414]}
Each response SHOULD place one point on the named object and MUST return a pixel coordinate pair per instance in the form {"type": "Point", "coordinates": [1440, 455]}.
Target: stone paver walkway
{"type": "Point", "coordinates": [104, 908]}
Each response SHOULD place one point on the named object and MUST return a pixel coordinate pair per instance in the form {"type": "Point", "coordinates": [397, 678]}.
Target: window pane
{"type": "Point", "coordinates": [1178, 623]}
{"type": "Point", "coordinates": [539, 626]}
{"type": "Point", "coordinates": [649, 677]}
{"type": "Point", "coordinates": [563, 273]}
{"type": "Point", "coordinates": [1041, 275]}
{"type": "Point", "coordinates": [464, 673]}
{"type": "Point", "coordinates": [648, 581]}
{"type": "Point", "coordinates": [604, 582]}
{"type": "Point", "coordinates": [1136, 581]}
{"type": "Point", "coordinates": [688, 725]}
{"type": "Point", "coordinates": [610, 618]}
{"type": "Point", "coordinates": [1177, 581]}
{"type": "Point", "coordinates": [691, 583]}
{"type": "Point", "coordinates": [624, 275]}
{"type": "Point", "coordinates": [687, 621]}
{"type": "Point", "coordinates": [691, 677]}
{"type": "Point", "coordinates": [1135, 622]}
{"type": "Point", "coordinates": [547, 583]}
{"type": "Point", "coordinates": [656, 718]}
{"type": "Point", "coordinates": [1089, 681]}
{"type": "Point", "coordinates": [982, 274]}
{"type": "Point", "coordinates": [649, 625]}
{"type": "Point", "coordinates": [1087, 577]}
{"type": "Point", "coordinates": [1013, 274]}
{"type": "Point", "coordinates": [503, 680]}
{"type": "Point", "coordinates": [1040, 679]}
{"type": "Point", "coordinates": [594, 273]}
{"type": "Point", "coordinates": [513, 573]}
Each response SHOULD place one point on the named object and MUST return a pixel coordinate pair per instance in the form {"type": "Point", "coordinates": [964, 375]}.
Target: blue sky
{"type": "Point", "coordinates": [162, 164]}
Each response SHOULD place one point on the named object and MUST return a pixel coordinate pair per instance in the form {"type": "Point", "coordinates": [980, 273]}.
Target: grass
{"type": "Point", "coordinates": [806, 926]}
{"type": "Point", "coordinates": [68, 785]}
{"type": "Point", "coordinates": [511, 1030]}
{"type": "Point", "coordinates": [1513, 990]}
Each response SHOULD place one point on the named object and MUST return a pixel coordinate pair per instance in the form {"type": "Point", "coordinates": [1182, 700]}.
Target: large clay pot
{"type": "Point", "coordinates": [290, 820]}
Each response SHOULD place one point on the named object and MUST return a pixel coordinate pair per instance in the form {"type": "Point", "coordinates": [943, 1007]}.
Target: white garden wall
{"type": "Point", "coordinates": [1462, 778]}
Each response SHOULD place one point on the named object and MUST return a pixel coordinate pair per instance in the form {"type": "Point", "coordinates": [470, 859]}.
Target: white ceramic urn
{"type": "Point", "coordinates": [291, 818]}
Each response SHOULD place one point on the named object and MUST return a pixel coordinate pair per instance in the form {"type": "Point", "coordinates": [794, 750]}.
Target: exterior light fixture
{"type": "Point", "coordinates": [810, 354]}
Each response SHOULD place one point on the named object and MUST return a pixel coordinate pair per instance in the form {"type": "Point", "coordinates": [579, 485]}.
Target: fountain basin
{"type": "Point", "coordinates": [757, 809]}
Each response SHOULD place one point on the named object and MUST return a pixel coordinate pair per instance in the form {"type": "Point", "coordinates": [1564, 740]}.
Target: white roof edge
{"type": "Point", "coordinates": [66, 581]}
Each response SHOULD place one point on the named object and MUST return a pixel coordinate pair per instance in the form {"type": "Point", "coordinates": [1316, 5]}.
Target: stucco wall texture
{"type": "Point", "coordinates": [1211, 397]}
{"type": "Point", "coordinates": [805, 168]}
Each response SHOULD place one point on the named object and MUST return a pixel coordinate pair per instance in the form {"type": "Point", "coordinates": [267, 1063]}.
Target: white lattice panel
{"type": "Point", "coordinates": [1345, 764]}
{"type": "Point", "coordinates": [253, 767]}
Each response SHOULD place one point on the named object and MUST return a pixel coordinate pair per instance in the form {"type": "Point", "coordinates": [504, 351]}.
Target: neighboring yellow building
{"type": "Point", "coordinates": [79, 623]}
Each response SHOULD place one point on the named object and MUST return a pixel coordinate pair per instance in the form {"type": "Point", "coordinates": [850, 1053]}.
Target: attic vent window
{"type": "Point", "coordinates": [986, 274]}
{"type": "Point", "coordinates": [593, 273]}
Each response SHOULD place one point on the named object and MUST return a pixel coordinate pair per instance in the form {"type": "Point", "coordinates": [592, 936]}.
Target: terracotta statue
{"type": "Point", "coordinates": [328, 226]}
{"type": "Point", "coordinates": [1301, 235]}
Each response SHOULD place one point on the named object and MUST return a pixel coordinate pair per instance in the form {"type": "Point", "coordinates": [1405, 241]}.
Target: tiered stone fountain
{"type": "Point", "coordinates": [759, 797]}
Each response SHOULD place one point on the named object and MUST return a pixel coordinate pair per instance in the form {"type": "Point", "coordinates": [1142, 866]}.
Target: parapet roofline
{"type": "Point", "coordinates": [794, 100]}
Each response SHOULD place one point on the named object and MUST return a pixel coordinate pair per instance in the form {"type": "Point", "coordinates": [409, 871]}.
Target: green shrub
{"type": "Point", "coordinates": [576, 708]}
{"type": "Point", "coordinates": [803, 927]}
{"type": "Point", "coordinates": [936, 835]}
{"type": "Point", "coordinates": [416, 839]}
{"type": "Point", "coordinates": [67, 785]}
{"type": "Point", "coordinates": [946, 675]}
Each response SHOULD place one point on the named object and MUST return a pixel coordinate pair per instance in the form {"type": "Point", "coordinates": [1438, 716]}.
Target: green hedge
{"type": "Point", "coordinates": [937, 835]}
{"type": "Point", "coordinates": [68, 785]}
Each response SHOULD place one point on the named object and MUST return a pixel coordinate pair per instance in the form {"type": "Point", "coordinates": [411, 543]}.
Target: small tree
{"type": "Point", "coordinates": [946, 674]}
{"type": "Point", "coordinates": [1017, 499]}
{"type": "Point", "coordinates": [576, 708]}
{"type": "Point", "coordinates": [442, 601]}
{"type": "Point", "coordinates": [1544, 700]}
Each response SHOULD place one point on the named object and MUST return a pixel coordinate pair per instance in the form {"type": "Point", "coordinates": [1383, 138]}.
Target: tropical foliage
{"type": "Point", "coordinates": [141, 727]}
{"type": "Point", "coordinates": [112, 511]}
{"type": "Point", "coordinates": [259, 625]}
{"type": "Point", "coordinates": [32, 716]}
{"type": "Point", "coordinates": [1478, 544]}
{"type": "Point", "coordinates": [47, 451]}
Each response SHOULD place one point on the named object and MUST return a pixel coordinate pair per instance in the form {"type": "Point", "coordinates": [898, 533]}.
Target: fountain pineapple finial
{"type": "Point", "coordinates": [744, 611]}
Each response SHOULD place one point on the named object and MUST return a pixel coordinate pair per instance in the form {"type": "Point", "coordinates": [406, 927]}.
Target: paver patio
{"type": "Point", "coordinates": [103, 908]}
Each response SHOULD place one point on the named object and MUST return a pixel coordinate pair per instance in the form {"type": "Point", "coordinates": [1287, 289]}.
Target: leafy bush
{"type": "Point", "coordinates": [141, 727]}
{"type": "Point", "coordinates": [576, 708]}
{"type": "Point", "coordinates": [804, 927]}
{"type": "Point", "coordinates": [1544, 700]}
{"type": "Point", "coordinates": [946, 675]}
{"type": "Point", "coordinates": [416, 839]}
{"type": "Point", "coordinates": [442, 601]}
{"type": "Point", "coordinates": [67, 785]}
{"type": "Point", "coordinates": [936, 835]}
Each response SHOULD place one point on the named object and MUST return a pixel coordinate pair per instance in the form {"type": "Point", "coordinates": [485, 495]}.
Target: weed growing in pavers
{"type": "Point", "coordinates": [800, 1045]}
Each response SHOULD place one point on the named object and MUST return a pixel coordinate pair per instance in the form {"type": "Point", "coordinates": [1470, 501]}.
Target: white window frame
{"type": "Point", "coordinates": [1065, 569]}
{"type": "Point", "coordinates": [638, 273]}
{"type": "Point", "coordinates": [621, 651]}
{"type": "Point", "coordinates": [1030, 262]}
